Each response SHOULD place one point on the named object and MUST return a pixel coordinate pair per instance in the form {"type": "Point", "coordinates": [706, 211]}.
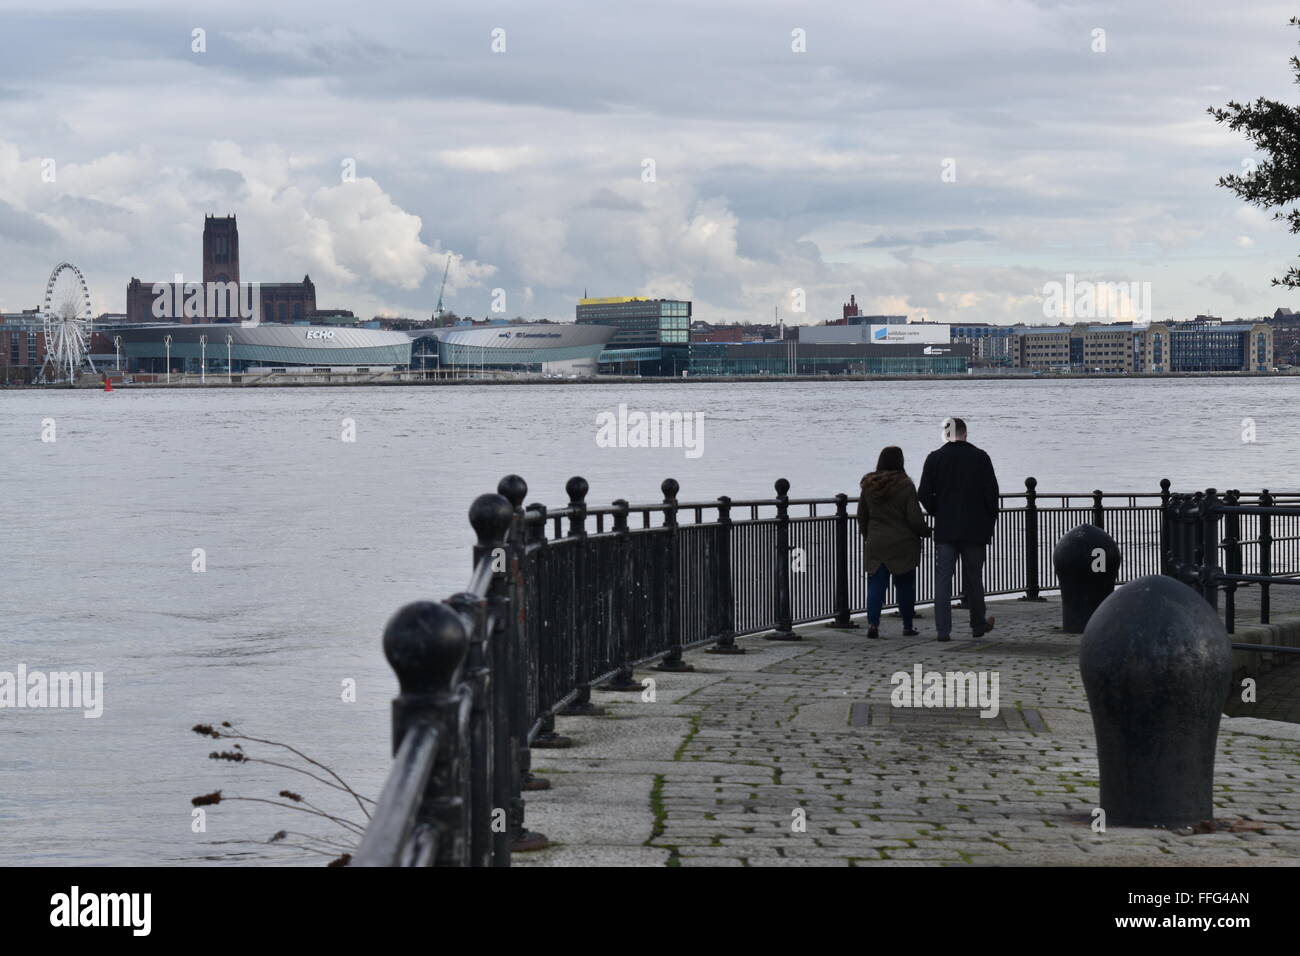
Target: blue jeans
{"type": "Point", "coordinates": [904, 590]}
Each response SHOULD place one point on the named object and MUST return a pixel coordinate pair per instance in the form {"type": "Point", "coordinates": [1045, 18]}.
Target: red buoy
{"type": "Point", "coordinates": [108, 386]}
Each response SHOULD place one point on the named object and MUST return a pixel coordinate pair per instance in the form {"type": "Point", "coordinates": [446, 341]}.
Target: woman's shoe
{"type": "Point", "coordinates": [873, 632]}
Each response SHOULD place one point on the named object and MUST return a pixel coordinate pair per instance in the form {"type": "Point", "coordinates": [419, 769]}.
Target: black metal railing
{"type": "Point", "coordinates": [563, 600]}
{"type": "Point", "coordinates": [1253, 540]}
{"type": "Point", "coordinates": [452, 796]}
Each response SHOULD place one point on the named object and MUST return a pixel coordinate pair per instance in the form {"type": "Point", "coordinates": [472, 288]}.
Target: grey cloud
{"type": "Point", "coordinates": [928, 238]}
{"type": "Point", "coordinates": [1227, 285]}
{"type": "Point", "coordinates": [608, 199]}
{"type": "Point", "coordinates": [24, 228]}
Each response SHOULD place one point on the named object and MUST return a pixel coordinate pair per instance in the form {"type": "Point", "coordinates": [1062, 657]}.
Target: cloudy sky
{"type": "Point", "coordinates": [773, 170]}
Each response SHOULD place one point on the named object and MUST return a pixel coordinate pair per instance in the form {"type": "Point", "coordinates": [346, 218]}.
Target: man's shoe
{"type": "Point", "coordinates": [873, 632]}
{"type": "Point", "coordinates": [943, 637]}
{"type": "Point", "coordinates": [910, 632]}
{"type": "Point", "coordinates": [988, 626]}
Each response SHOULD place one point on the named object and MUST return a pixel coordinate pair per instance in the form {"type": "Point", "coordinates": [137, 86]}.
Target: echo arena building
{"type": "Point", "coordinates": [546, 347]}
{"type": "Point", "coordinates": [188, 347]}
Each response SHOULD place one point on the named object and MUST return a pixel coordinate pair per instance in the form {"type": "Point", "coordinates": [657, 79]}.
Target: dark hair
{"type": "Point", "coordinates": [891, 459]}
{"type": "Point", "coordinates": [958, 427]}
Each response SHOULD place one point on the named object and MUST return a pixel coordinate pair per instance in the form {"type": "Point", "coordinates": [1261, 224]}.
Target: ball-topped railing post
{"type": "Point", "coordinates": [782, 611]}
{"type": "Point", "coordinates": [840, 588]}
{"type": "Point", "coordinates": [1033, 585]}
{"type": "Point", "coordinates": [724, 605]}
{"type": "Point", "coordinates": [426, 644]}
{"type": "Point", "coordinates": [583, 624]}
{"type": "Point", "coordinates": [672, 592]}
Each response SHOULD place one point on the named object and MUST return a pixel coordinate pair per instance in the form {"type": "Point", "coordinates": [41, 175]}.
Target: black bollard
{"type": "Point", "coordinates": [1157, 664]}
{"type": "Point", "coordinates": [1087, 565]}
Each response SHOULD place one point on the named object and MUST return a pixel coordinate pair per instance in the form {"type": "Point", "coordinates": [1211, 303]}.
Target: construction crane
{"type": "Point", "coordinates": [437, 312]}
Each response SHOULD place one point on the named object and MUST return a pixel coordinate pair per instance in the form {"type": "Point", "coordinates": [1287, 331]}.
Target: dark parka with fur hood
{"type": "Point", "coordinates": [890, 519]}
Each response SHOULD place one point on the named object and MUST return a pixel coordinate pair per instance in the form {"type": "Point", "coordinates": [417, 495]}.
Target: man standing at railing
{"type": "Point", "coordinates": [960, 491]}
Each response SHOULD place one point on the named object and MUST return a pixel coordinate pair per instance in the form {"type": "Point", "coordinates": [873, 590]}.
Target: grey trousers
{"type": "Point", "coordinates": [972, 584]}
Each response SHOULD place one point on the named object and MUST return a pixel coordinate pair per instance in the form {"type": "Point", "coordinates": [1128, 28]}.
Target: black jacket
{"type": "Point", "coordinates": [959, 488]}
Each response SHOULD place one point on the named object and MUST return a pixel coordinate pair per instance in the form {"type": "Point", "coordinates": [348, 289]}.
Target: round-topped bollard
{"type": "Point", "coordinates": [1087, 564]}
{"type": "Point", "coordinates": [1157, 666]}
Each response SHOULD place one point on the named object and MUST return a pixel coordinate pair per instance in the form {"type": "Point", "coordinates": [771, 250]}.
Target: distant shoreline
{"type": "Point", "coordinates": [218, 380]}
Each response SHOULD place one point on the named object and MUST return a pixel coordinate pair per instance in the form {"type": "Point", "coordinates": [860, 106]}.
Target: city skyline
{"type": "Point", "coordinates": [946, 166]}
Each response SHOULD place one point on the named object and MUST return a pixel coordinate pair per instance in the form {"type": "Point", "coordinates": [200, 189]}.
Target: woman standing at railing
{"type": "Point", "coordinates": [892, 526]}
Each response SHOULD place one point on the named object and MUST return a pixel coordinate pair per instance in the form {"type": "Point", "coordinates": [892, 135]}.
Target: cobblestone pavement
{"type": "Point", "coordinates": [723, 766]}
{"type": "Point", "coordinates": [1278, 695]}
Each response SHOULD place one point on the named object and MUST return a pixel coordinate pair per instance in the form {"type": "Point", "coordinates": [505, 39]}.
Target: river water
{"type": "Point", "coordinates": [310, 542]}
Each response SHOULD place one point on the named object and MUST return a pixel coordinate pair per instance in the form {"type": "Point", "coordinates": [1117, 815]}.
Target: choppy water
{"type": "Point", "coordinates": [311, 542]}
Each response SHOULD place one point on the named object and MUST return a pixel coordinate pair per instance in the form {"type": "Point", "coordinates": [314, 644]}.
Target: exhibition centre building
{"type": "Point", "coordinates": [187, 347]}
{"type": "Point", "coordinates": [547, 347]}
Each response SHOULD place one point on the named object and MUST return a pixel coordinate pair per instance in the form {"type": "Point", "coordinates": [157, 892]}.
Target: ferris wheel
{"type": "Point", "coordinates": [68, 324]}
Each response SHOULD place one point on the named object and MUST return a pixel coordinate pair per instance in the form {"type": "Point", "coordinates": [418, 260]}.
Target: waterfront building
{"type": "Point", "coordinates": [639, 322]}
{"type": "Point", "coordinates": [828, 358]}
{"type": "Point", "coordinates": [851, 314]}
{"type": "Point", "coordinates": [1074, 348]}
{"type": "Point", "coordinates": [146, 349]}
{"type": "Point", "coordinates": [1209, 346]}
{"type": "Point", "coordinates": [934, 333]}
{"type": "Point", "coordinates": [703, 332]}
{"type": "Point", "coordinates": [990, 344]}
{"type": "Point", "coordinates": [1286, 336]}
{"type": "Point", "coordinates": [22, 346]}
{"type": "Point", "coordinates": [1042, 348]}
{"type": "Point", "coordinates": [548, 348]}
{"type": "Point", "coordinates": [651, 336]}
{"type": "Point", "coordinates": [1202, 345]}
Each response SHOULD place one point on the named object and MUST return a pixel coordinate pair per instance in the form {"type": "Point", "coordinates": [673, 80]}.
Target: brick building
{"type": "Point", "coordinates": [277, 301]}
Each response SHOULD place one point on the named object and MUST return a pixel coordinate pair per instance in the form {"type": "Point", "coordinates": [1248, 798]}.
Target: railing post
{"type": "Point", "coordinates": [1032, 585]}
{"type": "Point", "coordinates": [546, 738]}
{"type": "Point", "coordinates": [426, 644]}
{"type": "Point", "coordinates": [1231, 559]}
{"type": "Point", "coordinates": [581, 705]}
{"type": "Point", "coordinates": [784, 630]}
{"type": "Point", "coordinates": [1181, 526]}
{"type": "Point", "coordinates": [1209, 541]}
{"type": "Point", "coordinates": [1265, 554]}
{"type": "Point", "coordinates": [510, 684]}
{"type": "Point", "coordinates": [841, 601]}
{"type": "Point", "coordinates": [724, 602]}
{"type": "Point", "coordinates": [1164, 526]}
{"type": "Point", "coordinates": [538, 623]}
{"type": "Point", "coordinates": [624, 678]}
{"type": "Point", "coordinates": [1098, 510]}
{"type": "Point", "coordinates": [673, 586]}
